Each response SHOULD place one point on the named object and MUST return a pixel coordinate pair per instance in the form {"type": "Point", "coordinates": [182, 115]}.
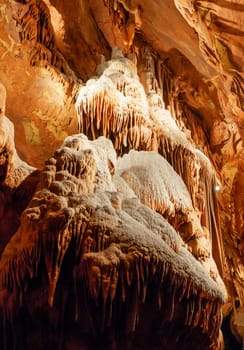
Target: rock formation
{"type": "Point", "coordinates": [121, 190]}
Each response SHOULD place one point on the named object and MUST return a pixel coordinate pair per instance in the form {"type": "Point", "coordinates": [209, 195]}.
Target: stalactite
{"type": "Point", "coordinates": [208, 206]}
{"type": "Point", "coordinates": [165, 80]}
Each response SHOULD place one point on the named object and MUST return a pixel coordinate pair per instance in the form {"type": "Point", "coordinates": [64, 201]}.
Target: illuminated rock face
{"type": "Point", "coordinates": [127, 235]}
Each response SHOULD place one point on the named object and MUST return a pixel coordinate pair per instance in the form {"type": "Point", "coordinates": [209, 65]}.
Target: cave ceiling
{"type": "Point", "coordinates": [145, 201]}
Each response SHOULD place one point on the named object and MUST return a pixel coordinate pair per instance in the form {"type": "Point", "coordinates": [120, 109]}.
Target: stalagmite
{"type": "Point", "coordinates": [121, 248]}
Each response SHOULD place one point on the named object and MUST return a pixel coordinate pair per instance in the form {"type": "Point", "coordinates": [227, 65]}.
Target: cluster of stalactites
{"type": "Point", "coordinates": [118, 277]}
{"type": "Point", "coordinates": [116, 105]}
{"type": "Point", "coordinates": [118, 244]}
{"type": "Point", "coordinates": [103, 108]}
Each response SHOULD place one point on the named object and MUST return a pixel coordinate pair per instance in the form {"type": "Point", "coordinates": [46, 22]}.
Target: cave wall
{"type": "Point", "coordinates": [173, 85]}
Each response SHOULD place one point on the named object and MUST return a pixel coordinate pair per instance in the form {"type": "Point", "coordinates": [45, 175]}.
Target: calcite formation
{"type": "Point", "coordinates": [121, 174]}
{"type": "Point", "coordinates": [15, 193]}
{"type": "Point", "coordinates": [118, 253]}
